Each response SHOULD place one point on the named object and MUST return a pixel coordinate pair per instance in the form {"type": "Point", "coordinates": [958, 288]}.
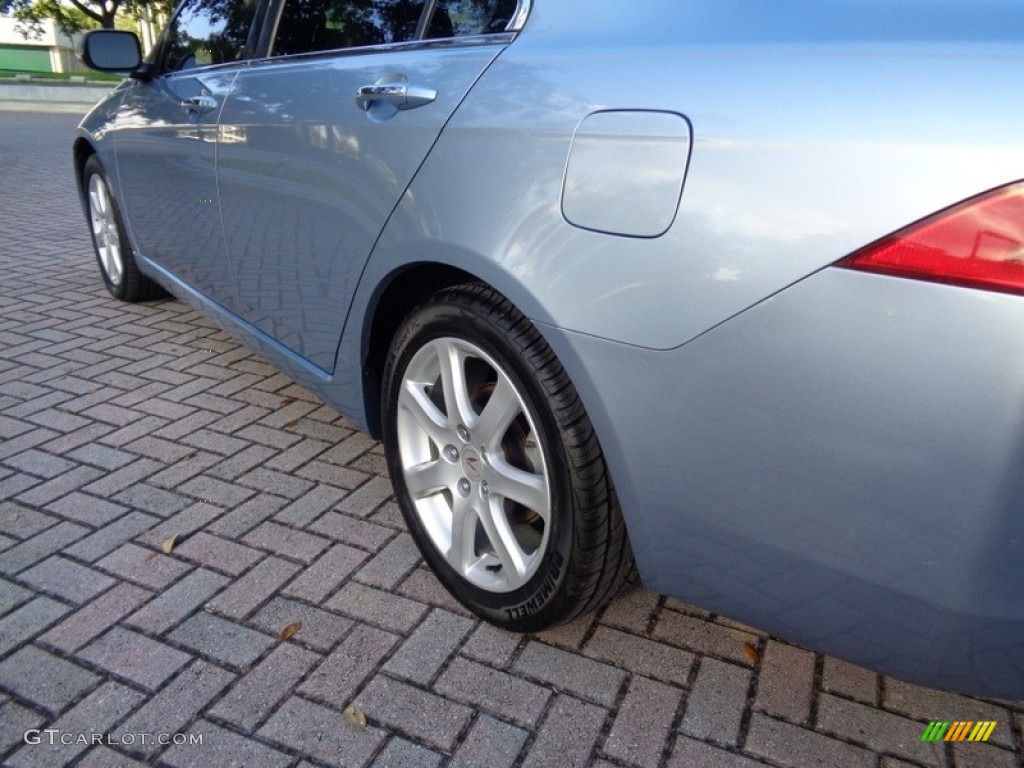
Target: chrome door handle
{"type": "Point", "coordinates": [401, 95]}
{"type": "Point", "coordinates": [199, 104]}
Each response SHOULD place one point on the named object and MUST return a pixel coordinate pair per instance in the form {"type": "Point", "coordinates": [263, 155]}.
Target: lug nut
{"type": "Point", "coordinates": [464, 487]}
{"type": "Point", "coordinates": [463, 433]}
{"type": "Point", "coordinates": [451, 453]}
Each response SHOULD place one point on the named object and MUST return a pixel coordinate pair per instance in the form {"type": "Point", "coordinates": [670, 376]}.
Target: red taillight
{"type": "Point", "coordinates": [977, 243]}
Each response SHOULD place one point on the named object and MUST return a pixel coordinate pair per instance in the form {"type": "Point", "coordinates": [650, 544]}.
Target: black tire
{"type": "Point", "coordinates": [110, 241]}
{"type": "Point", "coordinates": [534, 533]}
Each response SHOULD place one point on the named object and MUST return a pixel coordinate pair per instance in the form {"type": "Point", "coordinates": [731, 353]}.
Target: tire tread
{"type": "Point", "coordinates": [603, 566]}
{"type": "Point", "coordinates": [135, 286]}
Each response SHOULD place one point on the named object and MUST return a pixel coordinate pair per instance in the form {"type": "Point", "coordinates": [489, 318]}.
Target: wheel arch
{"type": "Point", "coordinates": [582, 525]}
{"type": "Point", "coordinates": [82, 150]}
{"type": "Point", "coordinates": [404, 287]}
{"type": "Point", "coordinates": [394, 298]}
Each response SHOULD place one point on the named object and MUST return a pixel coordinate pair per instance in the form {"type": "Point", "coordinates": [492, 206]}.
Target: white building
{"type": "Point", "coordinates": [53, 51]}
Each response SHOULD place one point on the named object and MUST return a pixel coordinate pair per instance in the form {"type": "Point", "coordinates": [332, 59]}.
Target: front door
{"type": "Point", "coordinates": [317, 147]}
{"type": "Point", "coordinates": [166, 143]}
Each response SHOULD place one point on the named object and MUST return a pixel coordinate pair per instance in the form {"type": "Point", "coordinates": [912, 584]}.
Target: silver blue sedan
{"type": "Point", "coordinates": [733, 290]}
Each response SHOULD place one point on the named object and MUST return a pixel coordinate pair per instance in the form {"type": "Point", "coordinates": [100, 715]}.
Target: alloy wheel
{"type": "Point", "coordinates": [104, 229]}
{"type": "Point", "coordinates": [473, 464]}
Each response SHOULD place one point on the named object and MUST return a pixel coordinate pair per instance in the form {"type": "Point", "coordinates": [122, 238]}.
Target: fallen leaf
{"type": "Point", "coordinates": [168, 544]}
{"type": "Point", "coordinates": [150, 556]}
{"type": "Point", "coordinates": [292, 424]}
{"type": "Point", "coordinates": [13, 517]}
{"type": "Point", "coordinates": [287, 401]}
{"type": "Point", "coordinates": [356, 718]}
{"type": "Point", "coordinates": [751, 653]}
{"type": "Point", "coordinates": [288, 631]}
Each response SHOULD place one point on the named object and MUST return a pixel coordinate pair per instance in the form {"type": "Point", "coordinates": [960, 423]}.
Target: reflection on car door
{"type": "Point", "coordinates": [309, 170]}
{"type": "Point", "coordinates": [166, 143]}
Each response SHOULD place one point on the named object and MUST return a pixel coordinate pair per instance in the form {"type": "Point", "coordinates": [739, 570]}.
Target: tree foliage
{"type": "Point", "coordinates": [81, 14]}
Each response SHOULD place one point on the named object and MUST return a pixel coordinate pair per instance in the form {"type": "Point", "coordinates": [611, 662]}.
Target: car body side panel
{"type": "Point", "coordinates": [829, 455]}
{"type": "Point", "coordinates": [166, 162]}
{"type": "Point", "coordinates": [802, 152]}
{"type": "Point", "coordinates": [307, 178]}
{"type": "Point", "coordinates": [98, 129]}
{"type": "Point", "coordinates": [839, 465]}
{"type": "Point", "coordinates": [342, 389]}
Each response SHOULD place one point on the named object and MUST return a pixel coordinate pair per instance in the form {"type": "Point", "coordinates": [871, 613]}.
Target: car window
{"type": "Point", "coordinates": [323, 25]}
{"type": "Point", "coordinates": [206, 32]}
{"type": "Point", "coordinates": [458, 18]}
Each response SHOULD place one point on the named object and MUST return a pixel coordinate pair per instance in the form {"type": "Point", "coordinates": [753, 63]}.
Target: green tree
{"type": "Point", "coordinates": [81, 14]}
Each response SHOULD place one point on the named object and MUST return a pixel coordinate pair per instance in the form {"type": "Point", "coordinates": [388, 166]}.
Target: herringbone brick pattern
{"type": "Point", "coordinates": [122, 426]}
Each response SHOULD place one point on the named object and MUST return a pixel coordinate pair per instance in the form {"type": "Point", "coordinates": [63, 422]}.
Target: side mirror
{"type": "Point", "coordinates": [111, 50]}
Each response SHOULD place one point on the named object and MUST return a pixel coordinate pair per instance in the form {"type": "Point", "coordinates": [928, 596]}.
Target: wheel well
{"type": "Point", "coordinates": [83, 150]}
{"type": "Point", "coordinates": [403, 293]}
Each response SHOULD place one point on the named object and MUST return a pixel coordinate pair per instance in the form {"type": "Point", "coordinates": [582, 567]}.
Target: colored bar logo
{"type": "Point", "coordinates": [958, 730]}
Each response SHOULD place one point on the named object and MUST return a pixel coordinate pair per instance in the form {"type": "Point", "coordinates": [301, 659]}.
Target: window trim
{"type": "Point", "coordinates": [259, 18]}
{"type": "Point", "coordinates": [519, 17]}
{"type": "Point", "coordinates": [425, 16]}
{"type": "Point", "coordinates": [264, 51]}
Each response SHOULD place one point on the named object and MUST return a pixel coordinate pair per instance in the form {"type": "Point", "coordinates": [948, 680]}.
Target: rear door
{"type": "Point", "coordinates": [320, 138]}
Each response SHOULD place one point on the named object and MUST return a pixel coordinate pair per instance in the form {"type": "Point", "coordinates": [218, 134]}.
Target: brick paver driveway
{"type": "Point", "coordinates": [121, 426]}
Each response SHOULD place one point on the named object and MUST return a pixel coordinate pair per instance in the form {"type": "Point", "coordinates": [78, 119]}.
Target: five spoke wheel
{"type": "Point", "coordinates": [109, 239]}
{"type": "Point", "coordinates": [104, 229]}
{"type": "Point", "coordinates": [496, 466]}
{"type": "Point", "coordinates": [472, 464]}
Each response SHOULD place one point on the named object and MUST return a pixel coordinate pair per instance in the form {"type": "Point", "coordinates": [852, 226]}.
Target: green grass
{"type": "Point", "coordinates": [60, 76]}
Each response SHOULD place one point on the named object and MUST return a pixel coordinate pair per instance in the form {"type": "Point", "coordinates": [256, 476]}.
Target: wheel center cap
{"type": "Point", "coordinates": [472, 463]}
